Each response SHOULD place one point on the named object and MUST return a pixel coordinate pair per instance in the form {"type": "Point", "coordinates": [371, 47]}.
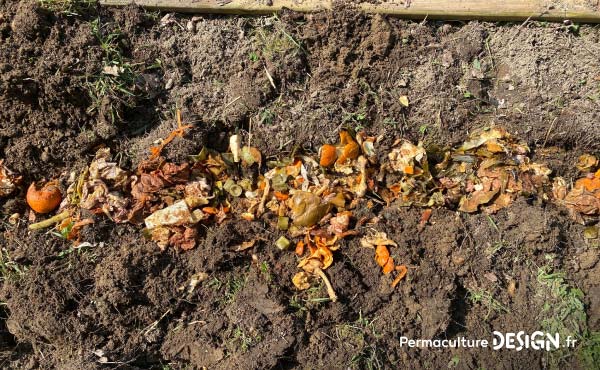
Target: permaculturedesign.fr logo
{"type": "Point", "coordinates": [519, 341]}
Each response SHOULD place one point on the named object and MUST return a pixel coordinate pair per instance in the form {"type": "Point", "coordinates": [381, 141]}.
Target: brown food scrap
{"type": "Point", "coordinates": [8, 180]}
{"type": "Point", "coordinates": [488, 190]}
{"type": "Point", "coordinates": [314, 264]}
{"type": "Point", "coordinates": [301, 280]}
{"type": "Point", "coordinates": [376, 238]}
{"type": "Point", "coordinates": [245, 245]}
{"type": "Point", "coordinates": [583, 199]}
{"type": "Point", "coordinates": [184, 238]}
{"type": "Point", "coordinates": [339, 224]}
{"type": "Point", "coordinates": [424, 218]}
{"type": "Point", "coordinates": [586, 162]}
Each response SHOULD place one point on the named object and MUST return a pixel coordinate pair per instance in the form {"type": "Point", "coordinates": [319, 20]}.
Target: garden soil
{"type": "Point", "coordinates": [289, 83]}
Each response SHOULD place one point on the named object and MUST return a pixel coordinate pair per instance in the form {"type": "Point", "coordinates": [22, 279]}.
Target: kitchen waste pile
{"type": "Point", "coordinates": [313, 199]}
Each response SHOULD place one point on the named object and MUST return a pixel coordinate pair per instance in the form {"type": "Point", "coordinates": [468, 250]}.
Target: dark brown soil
{"type": "Point", "coordinates": [118, 304]}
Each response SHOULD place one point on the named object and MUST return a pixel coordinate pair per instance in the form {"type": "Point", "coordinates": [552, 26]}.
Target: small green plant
{"type": "Point", "coordinates": [266, 116]}
{"type": "Point", "coordinates": [117, 78]}
{"type": "Point", "coordinates": [573, 29]}
{"type": "Point", "coordinates": [243, 340]}
{"type": "Point", "coordinates": [357, 120]}
{"type": "Point", "coordinates": [589, 350]}
{"type": "Point", "coordinates": [215, 284]}
{"type": "Point", "coordinates": [9, 269]}
{"type": "Point", "coordinates": [68, 7]}
{"type": "Point", "coordinates": [274, 40]}
{"type": "Point", "coordinates": [390, 122]}
{"type": "Point", "coordinates": [308, 299]}
{"type": "Point", "coordinates": [85, 250]}
{"type": "Point", "coordinates": [65, 231]}
{"type": "Point", "coordinates": [253, 56]}
{"type": "Point", "coordinates": [454, 361]}
{"type": "Point", "coordinates": [265, 271]}
{"type": "Point", "coordinates": [486, 298]}
{"type": "Point", "coordinates": [564, 313]}
{"type": "Point", "coordinates": [362, 336]}
{"type": "Point", "coordinates": [232, 287]}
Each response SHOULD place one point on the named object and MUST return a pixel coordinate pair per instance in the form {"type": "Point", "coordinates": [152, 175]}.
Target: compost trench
{"type": "Point", "coordinates": [292, 81]}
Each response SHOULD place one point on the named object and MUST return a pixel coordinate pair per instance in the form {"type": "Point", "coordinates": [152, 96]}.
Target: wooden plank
{"type": "Point", "coordinates": [586, 11]}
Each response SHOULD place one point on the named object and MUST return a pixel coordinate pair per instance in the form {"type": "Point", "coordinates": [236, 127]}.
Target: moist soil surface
{"type": "Point", "coordinates": [291, 81]}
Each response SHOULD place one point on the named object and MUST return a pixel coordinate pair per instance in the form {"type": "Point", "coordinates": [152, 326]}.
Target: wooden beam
{"type": "Point", "coordinates": [584, 11]}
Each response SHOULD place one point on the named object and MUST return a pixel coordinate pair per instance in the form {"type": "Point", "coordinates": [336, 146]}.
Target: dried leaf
{"type": "Point", "coordinates": [8, 180]}
{"type": "Point", "coordinates": [245, 245]}
{"type": "Point", "coordinates": [339, 224]}
{"type": "Point", "coordinates": [586, 162]}
{"type": "Point", "coordinates": [301, 280]}
{"type": "Point", "coordinates": [184, 238]}
{"type": "Point", "coordinates": [376, 238]}
{"type": "Point", "coordinates": [583, 201]}
{"type": "Point", "coordinates": [196, 193]}
{"type": "Point", "coordinates": [177, 214]}
{"type": "Point", "coordinates": [250, 155]}
{"type": "Point", "coordinates": [173, 173]}
{"type": "Point", "coordinates": [403, 100]}
{"type": "Point", "coordinates": [481, 137]}
{"type": "Point", "coordinates": [406, 158]}
{"type": "Point", "coordinates": [488, 189]}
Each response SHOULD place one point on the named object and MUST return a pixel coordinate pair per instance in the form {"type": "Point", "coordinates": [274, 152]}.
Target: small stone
{"type": "Point", "coordinates": [458, 260]}
{"type": "Point", "coordinates": [45, 157]}
{"type": "Point", "coordinates": [14, 218]}
{"type": "Point", "coordinates": [588, 259]}
{"type": "Point", "coordinates": [190, 26]}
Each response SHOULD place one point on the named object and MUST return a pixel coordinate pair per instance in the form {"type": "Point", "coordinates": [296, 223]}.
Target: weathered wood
{"type": "Point", "coordinates": [494, 10]}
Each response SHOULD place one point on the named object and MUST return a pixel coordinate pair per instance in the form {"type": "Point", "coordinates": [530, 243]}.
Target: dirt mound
{"type": "Point", "coordinates": [73, 81]}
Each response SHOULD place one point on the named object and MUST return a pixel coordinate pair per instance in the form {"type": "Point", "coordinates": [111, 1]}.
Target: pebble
{"type": "Point", "coordinates": [190, 26]}
{"type": "Point", "coordinates": [588, 259]}
{"type": "Point", "coordinates": [45, 157]}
